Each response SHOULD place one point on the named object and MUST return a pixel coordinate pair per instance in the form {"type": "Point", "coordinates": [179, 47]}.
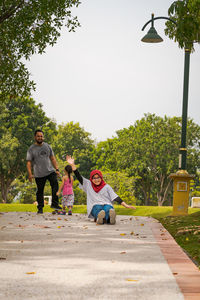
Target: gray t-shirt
{"type": "Point", "coordinates": [105, 196]}
{"type": "Point", "coordinates": [40, 159]}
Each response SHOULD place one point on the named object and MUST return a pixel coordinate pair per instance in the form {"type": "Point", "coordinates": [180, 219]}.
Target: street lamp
{"type": "Point", "coordinates": [181, 178]}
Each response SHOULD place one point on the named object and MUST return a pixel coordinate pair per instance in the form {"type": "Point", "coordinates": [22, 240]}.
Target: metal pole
{"type": "Point", "coordinates": [183, 149]}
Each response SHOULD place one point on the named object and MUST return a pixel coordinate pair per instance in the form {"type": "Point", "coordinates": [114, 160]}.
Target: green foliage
{"type": "Point", "coordinates": [103, 154]}
{"type": "Point", "coordinates": [71, 137]}
{"type": "Point", "coordinates": [28, 27]}
{"type": "Point", "coordinates": [121, 184]}
{"type": "Point", "coordinates": [148, 151]}
{"type": "Point", "coordinates": [74, 140]}
{"type": "Point", "coordinates": [21, 191]}
{"type": "Point", "coordinates": [186, 13]}
{"type": "Point", "coordinates": [19, 118]}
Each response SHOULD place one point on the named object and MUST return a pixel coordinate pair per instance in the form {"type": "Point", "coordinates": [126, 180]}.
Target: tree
{"type": "Point", "coordinates": [122, 184]}
{"type": "Point", "coordinates": [74, 140]}
{"type": "Point", "coordinates": [19, 118]}
{"type": "Point", "coordinates": [186, 14]}
{"type": "Point", "coordinates": [149, 151]}
{"type": "Point", "coordinates": [27, 27]}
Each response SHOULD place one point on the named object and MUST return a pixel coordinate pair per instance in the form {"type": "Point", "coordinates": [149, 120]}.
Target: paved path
{"type": "Point", "coordinates": [71, 258]}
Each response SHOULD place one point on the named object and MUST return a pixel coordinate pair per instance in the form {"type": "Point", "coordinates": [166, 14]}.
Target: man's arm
{"type": "Point", "coordinates": [29, 169]}
{"type": "Point", "coordinates": [54, 163]}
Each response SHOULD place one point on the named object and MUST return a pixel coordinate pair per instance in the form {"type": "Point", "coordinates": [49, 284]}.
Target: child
{"type": "Point", "coordinates": [67, 190]}
{"type": "Point", "coordinates": [100, 196]}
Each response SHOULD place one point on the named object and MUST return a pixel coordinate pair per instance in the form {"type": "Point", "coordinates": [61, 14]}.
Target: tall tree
{"type": "Point", "coordinates": [19, 118]}
{"type": "Point", "coordinates": [74, 140]}
{"type": "Point", "coordinates": [186, 13]}
{"type": "Point", "coordinates": [149, 151]}
{"type": "Point", "coordinates": [27, 27]}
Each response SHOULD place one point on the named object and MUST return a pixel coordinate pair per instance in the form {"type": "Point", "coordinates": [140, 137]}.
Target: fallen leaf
{"type": "Point", "coordinates": [123, 252]}
{"type": "Point", "coordinates": [122, 233]}
{"type": "Point", "coordinates": [29, 273]}
{"type": "Point", "coordinates": [59, 219]}
{"type": "Point", "coordinates": [141, 224]}
{"type": "Point", "coordinates": [129, 279]}
{"type": "Point", "coordinates": [175, 273]}
{"type": "Point", "coordinates": [58, 226]}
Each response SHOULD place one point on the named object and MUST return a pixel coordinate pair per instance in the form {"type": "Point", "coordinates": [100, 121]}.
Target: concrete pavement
{"type": "Point", "coordinates": [70, 257]}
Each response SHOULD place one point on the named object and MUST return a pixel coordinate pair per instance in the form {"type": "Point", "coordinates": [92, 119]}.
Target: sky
{"type": "Point", "coordinates": [105, 78]}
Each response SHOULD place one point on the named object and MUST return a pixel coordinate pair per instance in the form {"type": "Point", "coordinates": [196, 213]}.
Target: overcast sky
{"type": "Point", "coordinates": [105, 78]}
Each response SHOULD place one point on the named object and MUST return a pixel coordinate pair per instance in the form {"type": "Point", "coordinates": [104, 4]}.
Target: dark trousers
{"type": "Point", "coordinates": [40, 181]}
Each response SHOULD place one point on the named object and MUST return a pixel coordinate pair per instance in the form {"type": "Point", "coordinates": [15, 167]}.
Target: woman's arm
{"type": "Point", "coordinates": [120, 201]}
{"type": "Point", "coordinates": [127, 206]}
{"type": "Point", "coordinates": [70, 160]}
{"type": "Point", "coordinates": [78, 176]}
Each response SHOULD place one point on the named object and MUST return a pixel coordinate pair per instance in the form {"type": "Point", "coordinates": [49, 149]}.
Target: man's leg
{"type": "Point", "coordinates": [54, 188]}
{"type": "Point", "coordinates": [40, 182]}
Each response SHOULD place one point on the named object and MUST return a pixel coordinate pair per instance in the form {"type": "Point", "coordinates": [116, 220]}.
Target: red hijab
{"type": "Point", "coordinates": [97, 188]}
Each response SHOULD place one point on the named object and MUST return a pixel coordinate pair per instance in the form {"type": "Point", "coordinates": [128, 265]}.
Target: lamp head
{"type": "Point", "coordinates": [152, 36]}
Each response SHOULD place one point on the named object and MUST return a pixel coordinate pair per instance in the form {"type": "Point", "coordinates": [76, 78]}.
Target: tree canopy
{"type": "Point", "coordinates": [186, 14]}
{"type": "Point", "coordinates": [27, 27]}
{"type": "Point", "coordinates": [148, 151]}
{"type": "Point", "coordinates": [19, 118]}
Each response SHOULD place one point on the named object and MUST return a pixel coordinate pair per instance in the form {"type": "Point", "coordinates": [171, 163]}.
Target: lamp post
{"type": "Point", "coordinates": [181, 178]}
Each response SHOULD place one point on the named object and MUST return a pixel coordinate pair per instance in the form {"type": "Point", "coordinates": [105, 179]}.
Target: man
{"type": "Point", "coordinates": [41, 158]}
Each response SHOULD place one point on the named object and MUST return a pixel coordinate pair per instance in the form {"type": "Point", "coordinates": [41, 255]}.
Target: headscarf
{"type": "Point", "coordinates": [97, 188]}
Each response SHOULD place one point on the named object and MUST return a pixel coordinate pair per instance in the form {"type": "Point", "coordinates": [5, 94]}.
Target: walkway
{"type": "Point", "coordinates": [48, 257]}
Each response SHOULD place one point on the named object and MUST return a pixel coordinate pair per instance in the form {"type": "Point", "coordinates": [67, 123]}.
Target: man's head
{"type": "Point", "coordinates": [39, 136]}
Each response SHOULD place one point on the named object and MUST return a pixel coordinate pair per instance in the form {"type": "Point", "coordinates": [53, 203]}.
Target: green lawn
{"type": "Point", "coordinates": [185, 230]}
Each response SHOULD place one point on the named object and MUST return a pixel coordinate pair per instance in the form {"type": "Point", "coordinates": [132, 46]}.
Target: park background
{"type": "Point", "coordinates": [101, 95]}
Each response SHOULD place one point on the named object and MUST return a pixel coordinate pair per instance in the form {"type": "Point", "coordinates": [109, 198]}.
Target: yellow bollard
{"type": "Point", "coordinates": [181, 189]}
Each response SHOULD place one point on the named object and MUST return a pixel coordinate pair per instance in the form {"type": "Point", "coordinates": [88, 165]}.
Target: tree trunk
{"type": "Point", "coordinates": [162, 194]}
{"type": "Point", "coordinates": [5, 185]}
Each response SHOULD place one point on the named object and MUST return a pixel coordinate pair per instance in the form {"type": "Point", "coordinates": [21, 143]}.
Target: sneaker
{"type": "Point", "coordinates": [40, 211]}
{"type": "Point", "coordinates": [56, 207]}
{"type": "Point", "coordinates": [112, 215]}
{"type": "Point", "coordinates": [100, 217]}
{"type": "Point", "coordinates": [69, 212]}
{"type": "Point", "coordinates": [62, 212]}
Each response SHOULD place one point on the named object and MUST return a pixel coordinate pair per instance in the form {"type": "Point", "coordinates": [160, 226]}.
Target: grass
{"type": "Point", "coordinates": [185, 230]}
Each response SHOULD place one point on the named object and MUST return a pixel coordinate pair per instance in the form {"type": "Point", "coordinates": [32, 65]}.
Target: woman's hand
{"type": "Point", "coordinates": [70, 161]}
{"type": "Point", "coordinates": [127, 206]}
{"type": "Point", "coordinates": [132, 207]}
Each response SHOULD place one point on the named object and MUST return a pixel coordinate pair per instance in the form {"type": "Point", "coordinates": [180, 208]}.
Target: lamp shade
{"type": "Point", "coordinates": [152, 36]}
